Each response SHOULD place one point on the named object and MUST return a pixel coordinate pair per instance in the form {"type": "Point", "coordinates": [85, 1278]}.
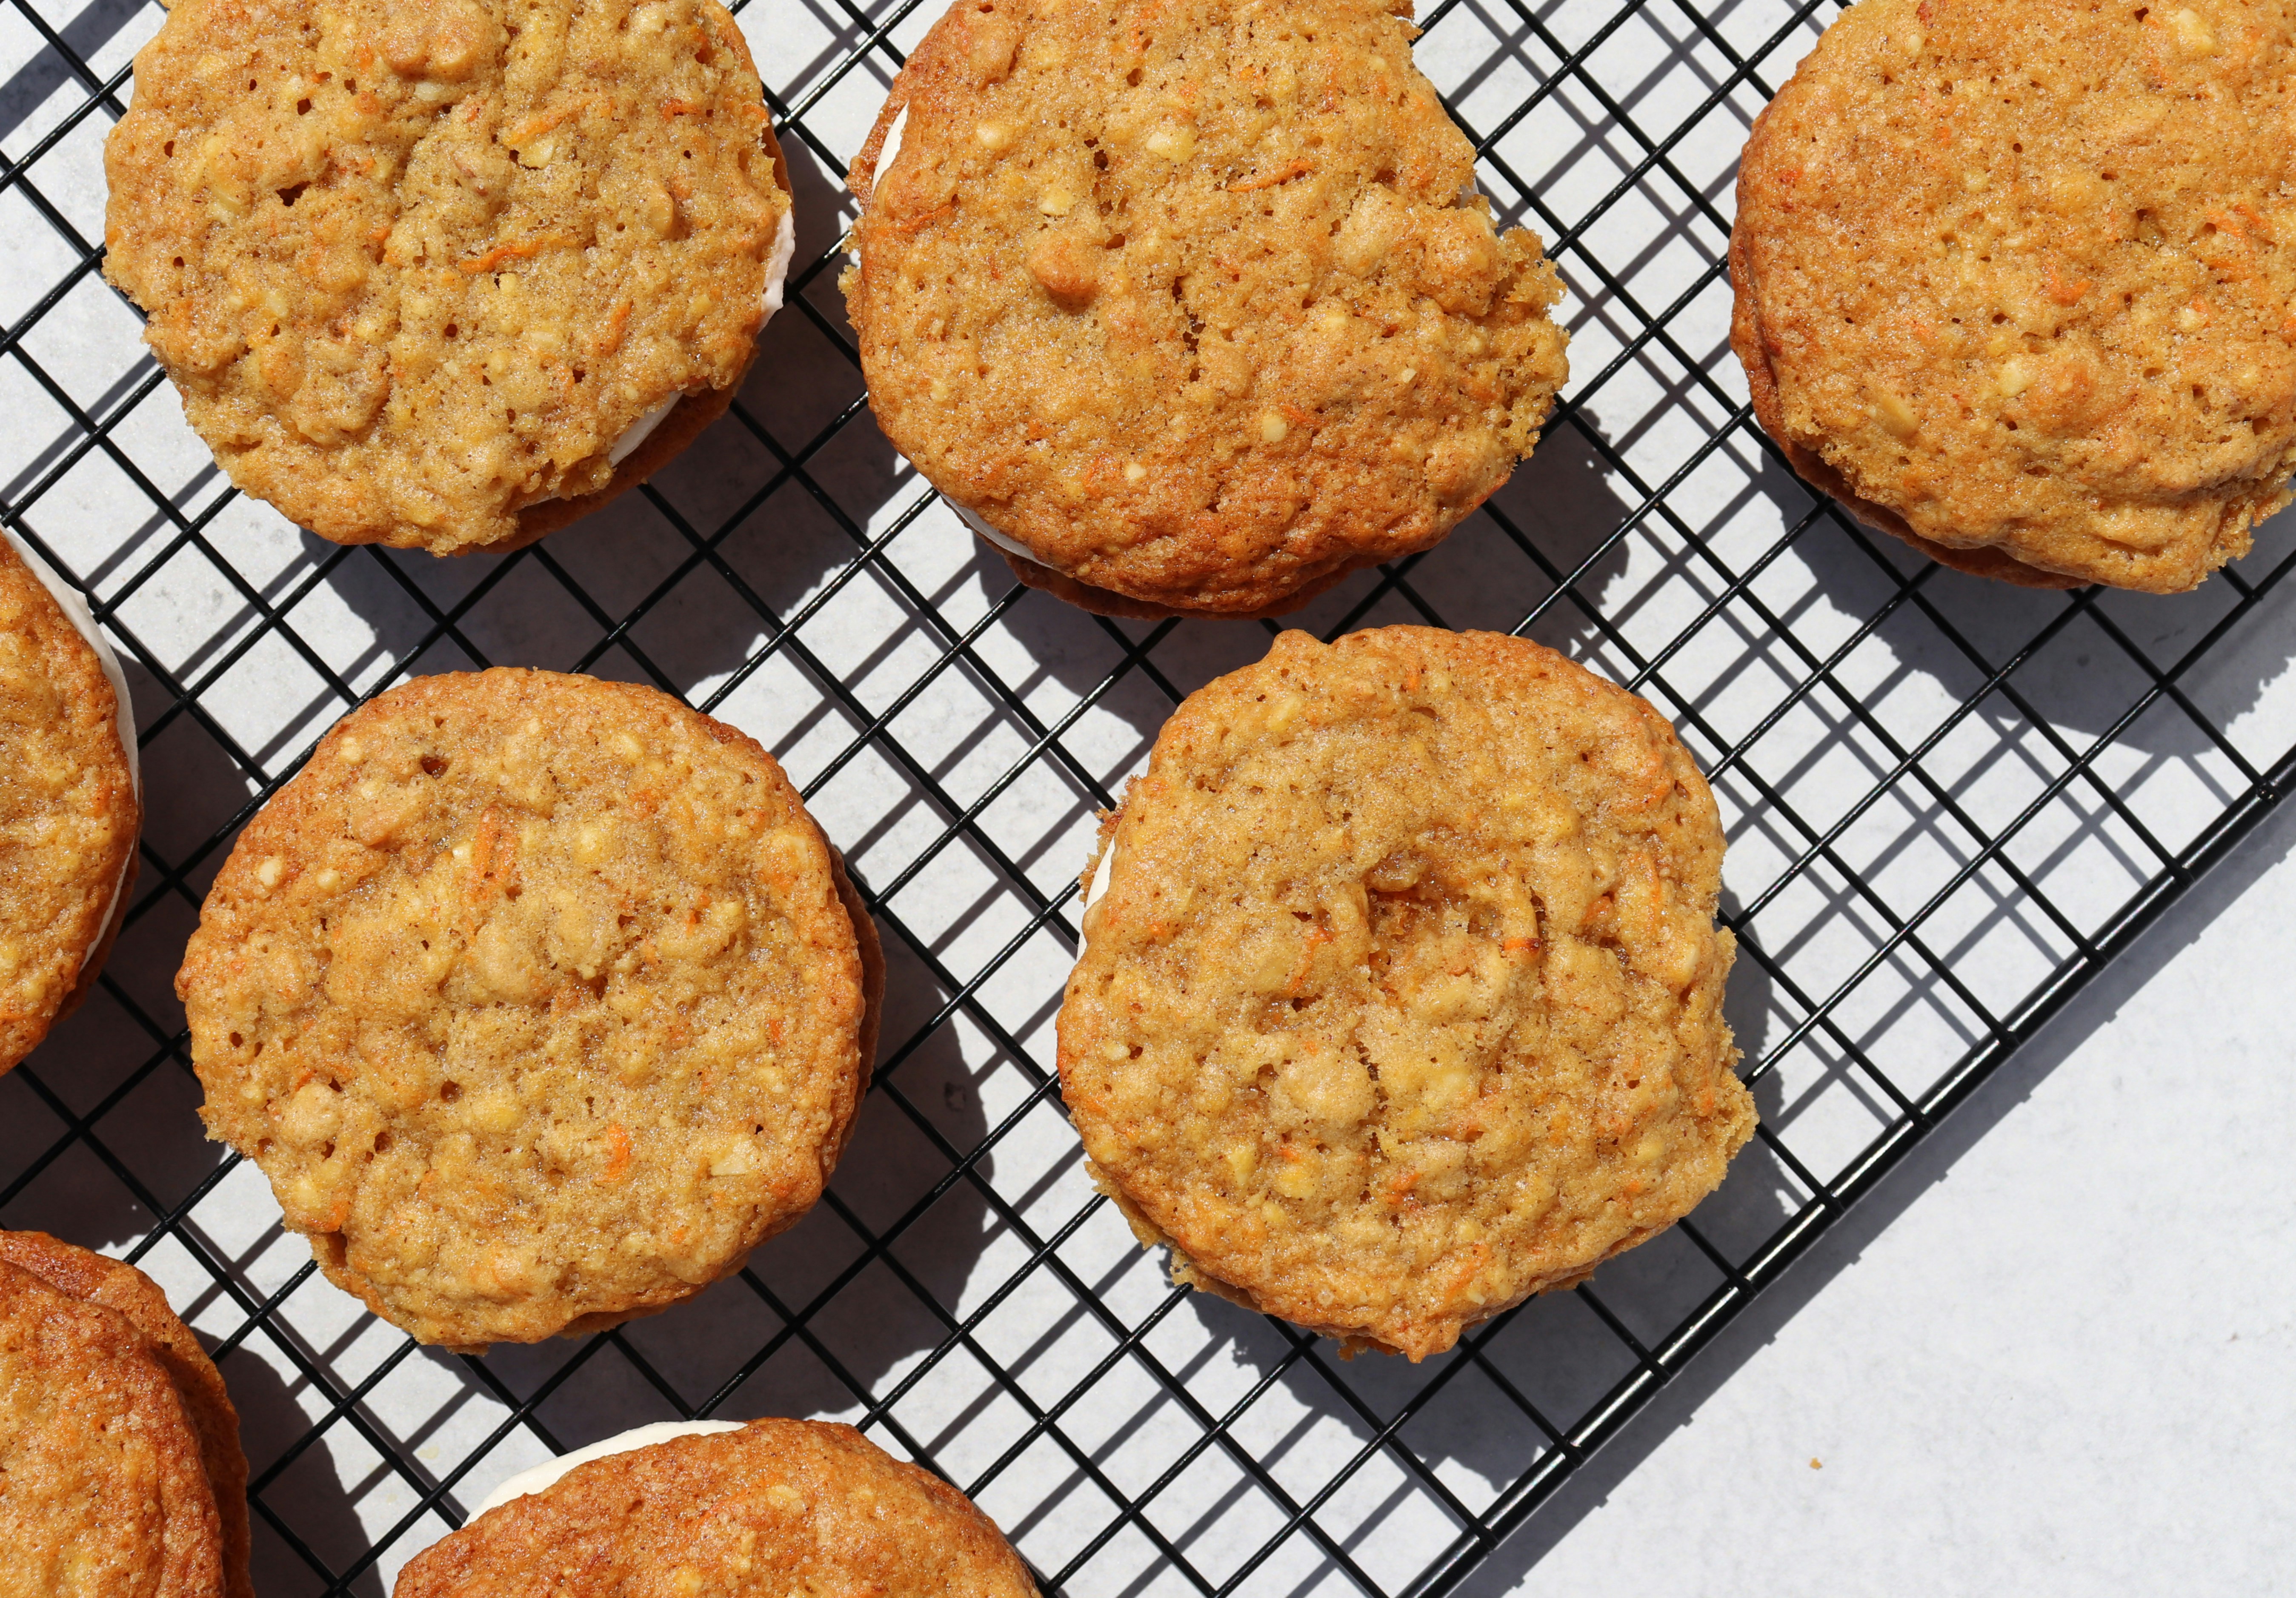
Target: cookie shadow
{"type": "Point", "coordinates": [1540, 557]}
{"type": "Point", "coordinates": [2089, 656]}
{"type": "Point", "coordinates": [86, 35]}
{"type": "Point", "coordinates": [304, 1522]}
{"type": "Point", "coordinates": [1471, 1419]}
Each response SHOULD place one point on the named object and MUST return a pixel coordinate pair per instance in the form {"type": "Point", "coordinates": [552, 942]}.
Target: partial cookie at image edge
{"type": "Point", "coordinates": [118, 1286]}
{"type": "Point", "coordinates": [73, 608]}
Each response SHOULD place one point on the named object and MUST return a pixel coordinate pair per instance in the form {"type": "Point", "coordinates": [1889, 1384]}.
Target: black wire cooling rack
{"type": "Point", "coordinates": [1951, 804]}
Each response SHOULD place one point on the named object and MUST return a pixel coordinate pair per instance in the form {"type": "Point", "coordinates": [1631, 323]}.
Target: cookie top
{"type": "Point", "coordinates": [416, 269]}
{"type": "Point", "coordinates": [1194, 300]}
{"type": "Point", "coordinates": [1403, 999]}
{"type": "Point", "coordinates": [540, 1000]}
{"type": "Point", "coordinates": [75, 1273]}
{"type": "Point", "coordinates": [2013, 280]}
{"type": "Point", "coordinates": [776, 1507]}
{"type": "Point", "coordinates": [69, 815]}
{"type": "Point", "coordinates": [106, 1495]}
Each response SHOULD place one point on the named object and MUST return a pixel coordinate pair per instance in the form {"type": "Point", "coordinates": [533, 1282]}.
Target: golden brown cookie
{"type": "Point", "coordinates": [69, 811]}
{"type": "Point", "coordinates": [446, 276]}
{"type": "Point", "coordinates": [105, 1491]}
{"type": "Point", "coordinates": [2014, 280]}
{"type": "Point", "coordinates": [75, 1272]}
{"type": "Point", "coordinates": [540, 1000]}
{"type": "Point", "coordinates": [776, 1508]}
{"type": "Point", "coordinates": [1402, 993]}
{"type": "Point", "coordinates": [1191, 306]}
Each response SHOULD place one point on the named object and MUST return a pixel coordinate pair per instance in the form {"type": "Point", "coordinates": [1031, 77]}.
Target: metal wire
{"type": "Point", "coordinates": [1883, 852]}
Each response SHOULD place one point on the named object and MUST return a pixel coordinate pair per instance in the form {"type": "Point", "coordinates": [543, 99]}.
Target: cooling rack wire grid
{"type": "Point", "coordinates": [1949, 803]}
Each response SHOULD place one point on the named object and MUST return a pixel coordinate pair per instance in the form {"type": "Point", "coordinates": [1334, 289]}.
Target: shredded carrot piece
{"type": "Point", "coordinates": [947, 208]}
{"type": "Point", "coordinates": [1466, 1272]}
{"type": "Point", "coordinates": [617, 319]}
{"type": "Point", "coordinates": [1318, 936]}
{"type": "Point", "coordinates": [517, 250]}
{"type": "Point", "coordinates": [1281, 175]}
{"type": "Point", "coordinates": [618, 1153]}
{"type": "Point", "coordinates": [483, 882]}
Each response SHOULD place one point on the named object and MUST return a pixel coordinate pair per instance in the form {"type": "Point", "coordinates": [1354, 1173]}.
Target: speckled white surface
{"type": "Point", "coordinates": [2052, 1356]}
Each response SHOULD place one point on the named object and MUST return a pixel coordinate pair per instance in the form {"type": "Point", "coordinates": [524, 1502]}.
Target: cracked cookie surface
{"type": "Point", "coordinates": [1403, 999]}
{"type": "Point", "coordinates": [416, 270]}
{"type": "Point", "coordinates": [2014, 280]}
{"type": "Point", "coordinates": [1194, 300]}
{"type": "Point", "coordinates": [540, 1000]}
{"type": "Point", "coordinates": [777, 1507]}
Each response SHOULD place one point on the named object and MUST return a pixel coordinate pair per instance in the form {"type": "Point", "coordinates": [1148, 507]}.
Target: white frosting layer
{"type": "Point", "coordinates": [638, 431]}
{"type": "Point", "coordinates": [890, 148]}
{"type": "Point", "coordinates": [886, 151]}
{"type": "Point", "coordinates": [83, 621]}
{"type": "Point", "coordinates": [777, 264]}
{"type": "Point", "coordinates": [639, 1436]}
{"type": "Point", "coordinates": [972, 519]}
{"type": "Point", "coordinates": [1092, 891]}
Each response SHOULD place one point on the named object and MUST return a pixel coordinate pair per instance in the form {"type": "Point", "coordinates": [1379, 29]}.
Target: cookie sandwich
{"type": "Point", "coordinates": [1401, 994]}
{"type": "Point", "coordinates": [121, 1457]}
{"type": "Point", "coordinates": [766, 1509]}
{"type": "Point", "coordinates": [1193, 308]}
{"type": "Point", "coordinates": [71, 808]}
{"type": "Point", "coordinates": [540, 1000]}
{"type": "Point", "coordinates": [2014, 281]}
{"type": "Point", "coordinates": [447, 276]}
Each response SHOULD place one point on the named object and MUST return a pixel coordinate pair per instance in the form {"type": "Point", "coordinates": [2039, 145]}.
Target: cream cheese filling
{"type": "Point", "coordinates": [539, 1477]}
{"type": "Point", "coordinates": [890, 148]}
{"type": "Point", "coordinates": [972, 519]}
{"type": "Point", "coordinates": [1093, 892]}
{"type": "Point", "coordinates": [777, 264]}
{"type": "Point", "coordinates": [638, 431]}
{"type": "Point", "coordinates": [886, 151]}
{"type": "Point", "coordinates": [76, 611]}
